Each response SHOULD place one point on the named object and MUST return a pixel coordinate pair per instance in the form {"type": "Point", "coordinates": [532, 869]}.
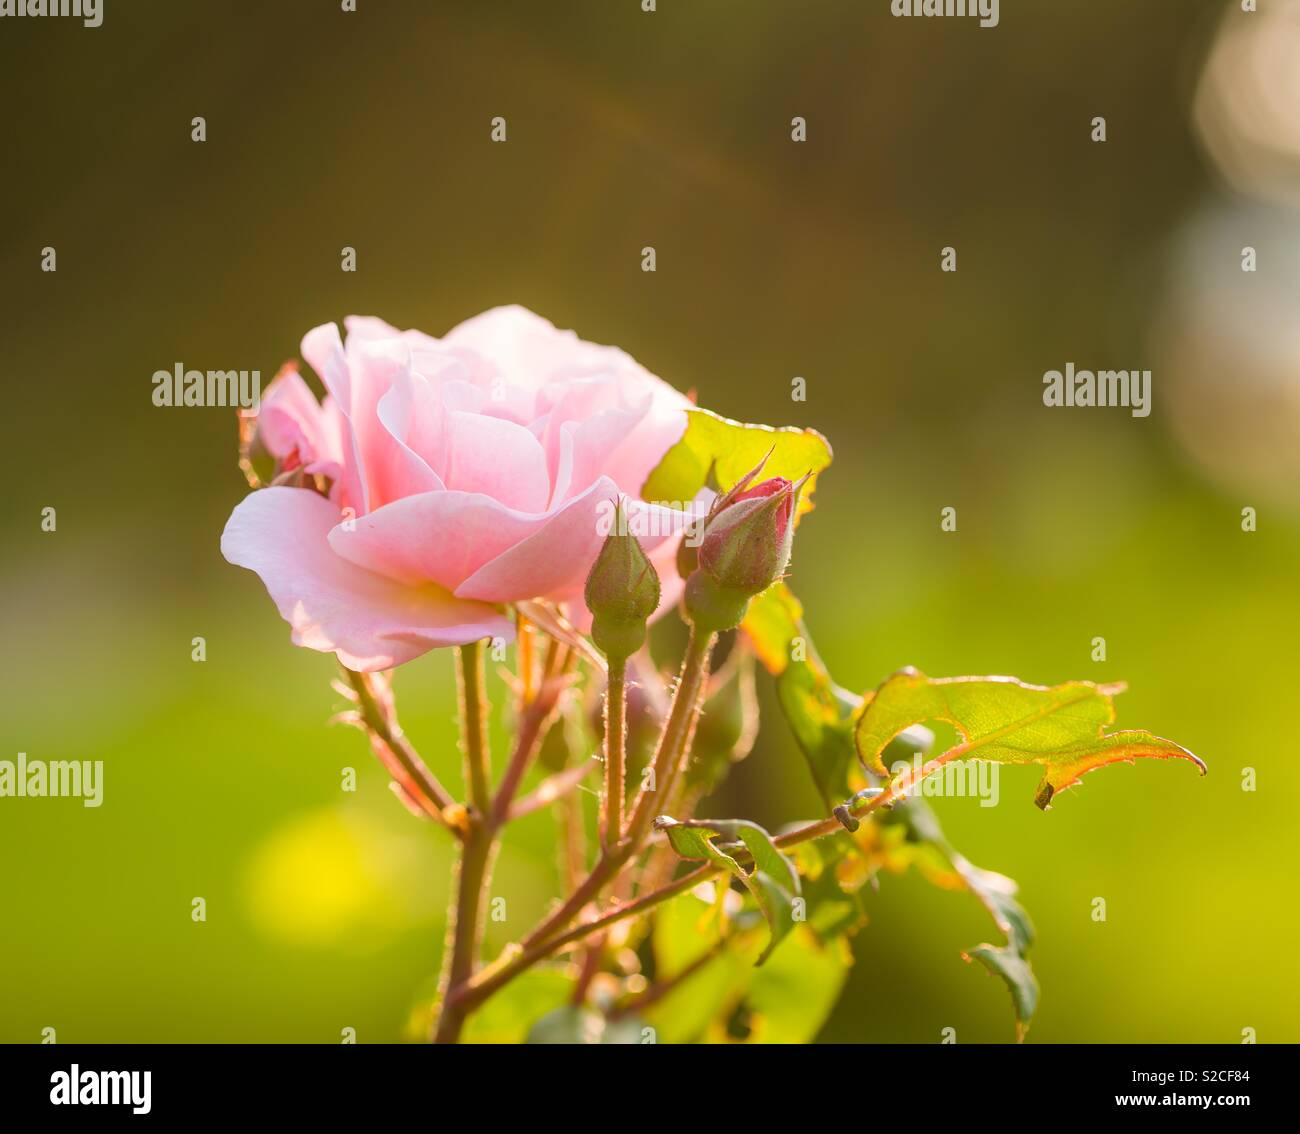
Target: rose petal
{"type": "Point", "coordinates": [323, 350]}
{"type": "Point", "coordinates": [369, 621]}
{"type": "Point", "coordinates": [439, 537]}
{"type": "Point", "coordinates": [555, 560]}
{"type": "Point", "coordinates": [497, 458]}
{"type": "Point", "coordinates": [417, 425]}
{"type": "Point", "coordinates": [526, 349]}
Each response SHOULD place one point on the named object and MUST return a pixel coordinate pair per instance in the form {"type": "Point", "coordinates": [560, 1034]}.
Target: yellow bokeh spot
{"type": "Point", "coordinates": [334, 877]}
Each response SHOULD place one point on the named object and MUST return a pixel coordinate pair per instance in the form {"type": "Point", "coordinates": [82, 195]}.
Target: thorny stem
{"type": "Point", "coordinates": [466, 918]}
{"type": "Point", "coordinates": [675, 743]}
{"type": "Point", "coordinates": [535, 715]}
{"type": "Point", "coordinates": [615, 752]}
{"type": "Point", "coordinates": [411, 773]}
{"type": "Point", "coordinates": [674, 747]}
{"type": "Point", "coordinates": [487, 814]}
{"type": "Point", "coordinates": [465, 928]}
{"type": "Point", "coordinates": [474, 720]}
{"type": "Point", "coordinates": [514, 961]}
{"type": "Point", "coordinates": [524, 636]}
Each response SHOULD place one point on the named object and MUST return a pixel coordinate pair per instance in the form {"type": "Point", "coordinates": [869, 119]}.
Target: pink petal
{"type": "Point", "coordinates": [657, 431]}
{"type": "Point", "coordinates": [369, 328]}
{"type": "Point", "coordinates": [552, 560]}
{"type": "Point", "coordinates": [369, 621]}
{"type": "Point", "coordinates": [497, 458]}
{"type": "Point", "coordinates": [323, 351]}
{"type": "Point", "coordinates": [438, 537]}
{"type": "Point", "coordinates": [659, 531]}
{"type": "Point", "coordinates": [288, 419]}
{"type": "Point", "coordinates": [526, 349]}
{"type": "Point", "coordinates": [386, 474]}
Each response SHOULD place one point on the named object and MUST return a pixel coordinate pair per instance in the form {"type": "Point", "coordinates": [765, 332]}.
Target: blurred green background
{"type": "Point", "coordinates": [775, 259]}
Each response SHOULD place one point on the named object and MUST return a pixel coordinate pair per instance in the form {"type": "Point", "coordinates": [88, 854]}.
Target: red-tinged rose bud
{"type": "Point", "coordinates": [746, 543]}
{"type": "Point", "coordinates": [622, 592]}
{"type": "Point", "coordinates": [688, 551]}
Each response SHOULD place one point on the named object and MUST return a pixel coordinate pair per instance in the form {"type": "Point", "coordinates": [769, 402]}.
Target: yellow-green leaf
{"type": "Point", "coordinates": [1062, 727]}
{"type": "Point", "coordinates": [728, 450]}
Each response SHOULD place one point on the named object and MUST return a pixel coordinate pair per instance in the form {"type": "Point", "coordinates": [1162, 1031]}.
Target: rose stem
{"type": "Point", "coordinates": [476, 855]}
{"type": "Point", "coordinates": [615, 751]}
{"type": "Point", "coordinates": [418, 779]}
{"type": "Point", "coordinates": [516, 960]}
{"type": "Point", "coordinates": [674, 743]}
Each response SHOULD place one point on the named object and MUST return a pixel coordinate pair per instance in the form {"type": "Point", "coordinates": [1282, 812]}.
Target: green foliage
{"type": "Point", "coordinates": [706, 955]}
{"type": "Point", "coordinates": [820, 713]}
{"type": "Point", "coordinates": [772, 881]}
{"type": "Point", "coordinates": [1002, 719]}
{"type": "Point", "coordinates": [833, 872]}
{"type": "Point", "coordinates": [996, 892]}
{"type": "Point", "coordinates": [725, 450]}
{"type": "Point", "coordinates": [1011, 966]}
{"type": "Point", "coordinates": [722, 996]}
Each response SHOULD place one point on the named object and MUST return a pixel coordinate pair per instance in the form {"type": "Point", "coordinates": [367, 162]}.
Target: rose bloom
{"type": "Point", "coordinates": [463, 473]}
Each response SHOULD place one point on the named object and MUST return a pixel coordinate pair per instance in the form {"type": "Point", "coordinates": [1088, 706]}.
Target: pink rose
{"type": "Point", "coordinates": [464, 473]}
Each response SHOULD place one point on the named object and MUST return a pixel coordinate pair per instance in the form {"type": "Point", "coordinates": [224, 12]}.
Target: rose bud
{"type": "Point", "coordinates": [745, 549]}
{"type": "Point", "coordinates": [746, 544]}
{"type": "Point", "coordinates": [622, 592]}
{"type": "Point", "coordinates": [688, 551]}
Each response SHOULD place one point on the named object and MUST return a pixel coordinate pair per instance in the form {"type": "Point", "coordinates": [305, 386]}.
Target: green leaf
{"type": "Point", "coordinates": [820, 713]}
{"type": "Point", "coordinates": [728, 450]}
{"type": "Point", "coordinates": [1009, 964]}
{"type": "Point", "coordinates": [1062, 727]}
{"type": "Point", "coordinates": [831, 876]}
{"type": "Point", "coordinates": [822, 716]}
{"type": "Point", "coordinates": [773, 882]}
